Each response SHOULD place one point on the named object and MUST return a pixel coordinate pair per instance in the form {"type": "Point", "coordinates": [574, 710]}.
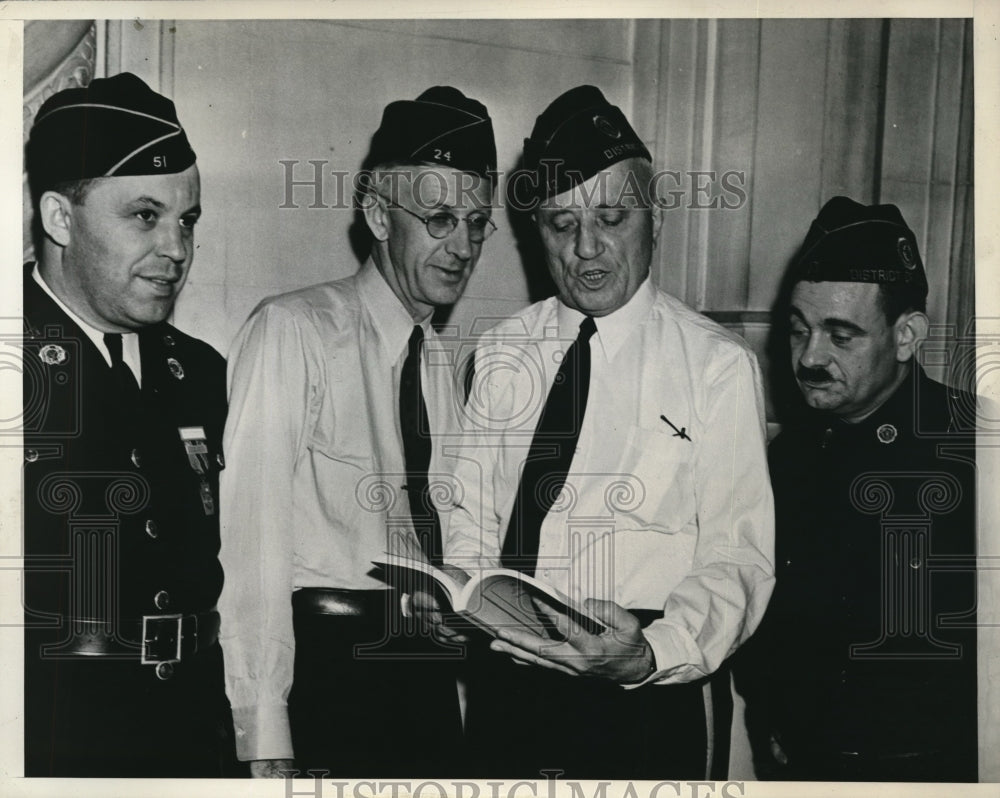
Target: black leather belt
{"type": "Point", "coordinates": [153, 639]}
{"type": "Point", "coordinates": [337, 601]}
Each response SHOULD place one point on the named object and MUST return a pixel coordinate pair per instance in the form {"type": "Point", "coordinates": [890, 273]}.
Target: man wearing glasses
{"type": "Point", "coordinates": [334, 398]}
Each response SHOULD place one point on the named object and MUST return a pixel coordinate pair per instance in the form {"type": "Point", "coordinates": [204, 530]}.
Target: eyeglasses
{"type": "Point", "coordinates": [442, 224]}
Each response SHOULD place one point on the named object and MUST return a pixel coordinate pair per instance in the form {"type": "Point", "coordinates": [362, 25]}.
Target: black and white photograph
{"type": "Point", "coordinates": [500, 402]}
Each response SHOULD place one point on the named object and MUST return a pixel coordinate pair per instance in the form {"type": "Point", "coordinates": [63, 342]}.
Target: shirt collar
{"type": "Point", "coordinates": [91, 332]}
{"type": "Point", "coordinates": [391, 320]}
{"type": "Point", "coordinates": [615, 328]}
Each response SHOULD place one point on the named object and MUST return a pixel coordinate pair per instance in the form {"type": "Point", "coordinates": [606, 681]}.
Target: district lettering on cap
{"type": "Point", "coordinates": [853, 243]}
{"type": "Point", "coordinates": [577, 136]}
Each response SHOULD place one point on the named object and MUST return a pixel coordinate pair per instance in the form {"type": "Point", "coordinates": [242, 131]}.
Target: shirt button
{"type": "Point", "coordinates": [162, 600]}
{"type": "Point", "coordinates": [152, 529]}
{"type": "Point", "coordinates": [31, 455]}
{"type": "Point", "coordinates": [164, 671]}
{"type": "Point", "coordinates": [136, 458]}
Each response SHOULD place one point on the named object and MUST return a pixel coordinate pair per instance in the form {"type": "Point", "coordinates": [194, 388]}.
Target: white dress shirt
{"type": "Point", "coordinates": [653, 516]}
{"type": "Point", "coordinates": [313, 488]}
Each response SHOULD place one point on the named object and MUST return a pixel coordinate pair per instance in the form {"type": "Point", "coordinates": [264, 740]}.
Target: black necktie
{"type": "Point", "coordinates": [551, 453]}
{"type": "Point", "coordinates": [126, 379]}
{"type": "Point", "coordinates": [417, 450]}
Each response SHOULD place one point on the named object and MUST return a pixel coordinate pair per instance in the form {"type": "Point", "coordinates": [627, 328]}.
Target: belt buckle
{"type": "Point", "coordinates": [153, 647]}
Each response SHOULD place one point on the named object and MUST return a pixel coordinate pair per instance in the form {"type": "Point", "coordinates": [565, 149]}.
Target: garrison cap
{"type": "Point", "coordinates": [853, 243]}
{"type": "Point", "coordinates": [577, 136]}
{"type": "Point", "coordinates": [114, 127]}
{"type": "Point", "coordinates": [442, 126]}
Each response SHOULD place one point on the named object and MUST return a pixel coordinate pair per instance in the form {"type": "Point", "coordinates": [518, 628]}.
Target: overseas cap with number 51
{"type": "Point", "coordinates": [114, 127]}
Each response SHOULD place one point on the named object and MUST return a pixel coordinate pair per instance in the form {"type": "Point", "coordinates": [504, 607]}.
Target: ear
{"type": "Point", "coordinates": [910, 330]}
{"type": "Point", "coordinates": [377, 216]}
{"type": "Point", "coordinates": [657, 219]}
{"type": "Point", "coordinates": [55, 212]}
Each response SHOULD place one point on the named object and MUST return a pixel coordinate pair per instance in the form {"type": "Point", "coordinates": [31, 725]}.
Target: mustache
{"type": "Point", "coordinates": [806, 374]}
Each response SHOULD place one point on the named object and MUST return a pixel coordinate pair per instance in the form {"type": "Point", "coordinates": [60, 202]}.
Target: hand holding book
{"type": "Point", "coordinates": [492, 599]}
{"type": "Point", "coordinates": [428, 610]}
{"type": "Point", "coordinates": [620, 652]}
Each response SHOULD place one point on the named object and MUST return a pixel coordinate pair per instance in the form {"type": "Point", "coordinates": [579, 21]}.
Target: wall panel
{"type": "Point", "coordinates": [315, 91]}
{"type": "Point", "coordinates": [735, 134]}
{"type": "Point", "coordinates": [878, 110]}
{"type": "Point", "coordinates": [789, 152]}
{"type": "Point", "coordinates": [853, 92]}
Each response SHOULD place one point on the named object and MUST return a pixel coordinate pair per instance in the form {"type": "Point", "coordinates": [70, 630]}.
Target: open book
{"type": "Point", "coordinates": [493, 598]}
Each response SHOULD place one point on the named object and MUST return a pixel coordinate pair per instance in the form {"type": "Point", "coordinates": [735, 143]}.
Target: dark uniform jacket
{"type": "Point", "coordinates": [865, 664]}
{"type": "Point", "coordinates": [118, 524]}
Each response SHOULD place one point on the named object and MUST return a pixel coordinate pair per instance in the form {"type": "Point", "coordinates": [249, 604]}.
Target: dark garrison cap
{"type": "Point", "coordinates": [114, 127]}
{"type": "Point", "coordinates": [577, 136]}
{"type": "Point", "coordinates": [853, 243]}
{"type": "Point", "coordinates": [442, 126]}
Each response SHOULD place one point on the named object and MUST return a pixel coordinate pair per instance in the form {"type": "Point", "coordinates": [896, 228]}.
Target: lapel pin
{"type": "Point", "coordinates": [52, 354]}
{"type": "Point", "coordinates": [886, 433]}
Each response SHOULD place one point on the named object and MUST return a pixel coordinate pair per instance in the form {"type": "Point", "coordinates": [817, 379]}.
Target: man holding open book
{"type": "Point", "coordinates": [620, 461]}
{"type": "Point", "coordinates": [334, 399]}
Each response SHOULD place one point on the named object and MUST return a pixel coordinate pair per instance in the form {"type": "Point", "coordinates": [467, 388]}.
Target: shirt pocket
{"type": "Point", "coordinates": [654, 489]}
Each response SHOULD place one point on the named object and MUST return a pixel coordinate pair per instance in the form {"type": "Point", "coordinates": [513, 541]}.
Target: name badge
{"type": "Point", "coordinates": [196, 447]}
{"type": "Point", "coordinates": [192, 433]}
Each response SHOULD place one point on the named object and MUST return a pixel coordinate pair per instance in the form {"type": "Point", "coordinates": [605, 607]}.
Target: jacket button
{"type": "Point", "coordinates": [152, 529]}
{"type": "Point", "coordinates": [136, 458]}
{"type": "Point", "coordinates": [220, 460]}
{"type": "Point", "coordinates": [164, 671]}
{"type": "Point", "coordinates": [31, 455]}
{"type": "Point", "coordinates": [162, 600]}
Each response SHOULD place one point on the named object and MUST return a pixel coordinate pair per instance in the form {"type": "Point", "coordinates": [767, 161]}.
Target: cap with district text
{"type": "Point", "coordinates": [577, 136]}
{"type": "Point", "coordinates": [853, 243]}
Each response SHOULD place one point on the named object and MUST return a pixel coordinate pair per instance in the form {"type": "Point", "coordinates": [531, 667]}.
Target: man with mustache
{"type": "Point", "coordinates": [337, 392]}
{"type": "Point", "coordinates": [615, 452]}
{"type": "Point", "coordinates": [123, 420]}
{"type": "Point", "coordinates": [864, 668]}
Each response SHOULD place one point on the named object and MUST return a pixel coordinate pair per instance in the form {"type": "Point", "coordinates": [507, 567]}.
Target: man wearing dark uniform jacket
{"type": "Point", "coordinates": [123, 421]}
{"type": "Point", "coordinates": [864, 668]}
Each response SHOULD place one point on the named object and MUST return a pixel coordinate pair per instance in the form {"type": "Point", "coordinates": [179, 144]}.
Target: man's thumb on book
{"type": "Point", "coordinates": [610, 614]}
